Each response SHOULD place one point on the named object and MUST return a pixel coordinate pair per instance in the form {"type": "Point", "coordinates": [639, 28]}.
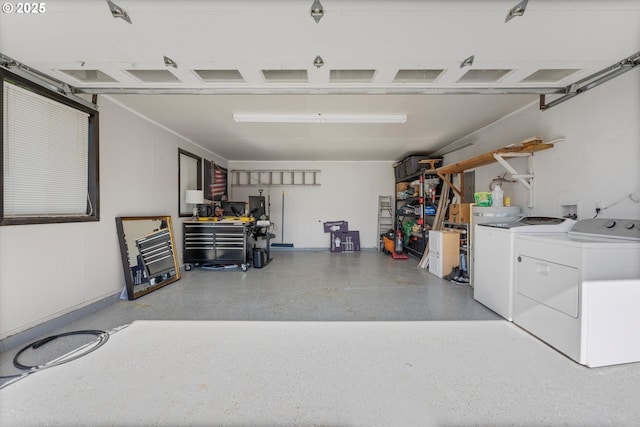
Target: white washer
{"type": "Point", "coordinates": [580, 292]}
{"type": "Point", "coordinates": [483, 215]}
{"type": "Point", "coordinates": [494, 258]}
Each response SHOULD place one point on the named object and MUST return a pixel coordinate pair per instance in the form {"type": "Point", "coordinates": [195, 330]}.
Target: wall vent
{"type": "Point", "coordinates": [417, 76]}
{"type": "Point", "coordinates": [483, 76]}
{"type": "Point", "coordinates": [351, 76]}
{"type": "Point", "coordinates": [90, 76]}
{"type": "Point", "coordinates": [549, 75]}
{"type": "Point", "coordinates": [215, 76]}
{"type": "Point", "coordinates": [154, 76]}
{"type": "Point", "coordinates": [285, 76]}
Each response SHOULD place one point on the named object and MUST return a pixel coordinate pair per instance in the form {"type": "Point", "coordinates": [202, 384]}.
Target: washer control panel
{"type": "Point", "coordinates": [628, 229]}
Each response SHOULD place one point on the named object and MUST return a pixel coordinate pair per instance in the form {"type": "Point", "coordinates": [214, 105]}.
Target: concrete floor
{"type": "Point", "coordinates": [469, 367]}
{"type": "Point", "coordinates": [297, 285]}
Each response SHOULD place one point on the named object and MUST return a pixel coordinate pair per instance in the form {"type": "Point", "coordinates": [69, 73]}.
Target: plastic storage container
{"type": "Point", "coordinates": [483, 198]}
{"type": "Point", "coordinates": [412, 164]}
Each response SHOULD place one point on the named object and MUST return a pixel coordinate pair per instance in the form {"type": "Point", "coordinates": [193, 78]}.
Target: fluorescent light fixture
{"type": "Point", "coordinates": [319, 118]}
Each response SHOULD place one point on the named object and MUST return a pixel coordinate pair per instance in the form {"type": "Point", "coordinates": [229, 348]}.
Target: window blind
{"type": "Point", "coordinates": [45, 155]}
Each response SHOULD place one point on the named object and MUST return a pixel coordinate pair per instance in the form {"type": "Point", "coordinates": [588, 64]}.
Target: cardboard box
{"type": "Point", "coordinates": [460, 213]}
{"type": "Point", "coordinates": [401, 186]}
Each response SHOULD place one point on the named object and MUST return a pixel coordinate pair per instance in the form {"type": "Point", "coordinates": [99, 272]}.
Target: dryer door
{"type": "Point", "coordinates": [553, 285]}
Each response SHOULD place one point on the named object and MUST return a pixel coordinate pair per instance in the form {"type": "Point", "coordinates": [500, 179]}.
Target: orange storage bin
{"type": "Point", "coordinates": [389, 244]}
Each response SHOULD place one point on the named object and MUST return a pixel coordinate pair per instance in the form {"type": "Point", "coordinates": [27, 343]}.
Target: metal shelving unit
{"type": "Point", "coordinates": [419, 239]}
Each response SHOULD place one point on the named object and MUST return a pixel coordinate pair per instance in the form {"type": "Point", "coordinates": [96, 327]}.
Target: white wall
{"type": "Point", "coordinates": [50, 270]}
{"type": "Point", "coordinates": [599, 161]}
{"type": "Point", "coordinates": [347, 191]}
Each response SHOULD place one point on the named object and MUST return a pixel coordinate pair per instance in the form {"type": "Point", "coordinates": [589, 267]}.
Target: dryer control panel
{"type": "Point", "coordinates": [628, 229]}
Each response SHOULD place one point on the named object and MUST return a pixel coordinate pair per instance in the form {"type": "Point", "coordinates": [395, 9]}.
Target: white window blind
{"type": "Point", "coordinates": [45, 156]}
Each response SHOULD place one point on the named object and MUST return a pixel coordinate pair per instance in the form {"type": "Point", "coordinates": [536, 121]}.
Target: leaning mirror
{"type": "Point", "coordinates": [189, 178]}
{"type": "Point", "coordinates": [147, 249]}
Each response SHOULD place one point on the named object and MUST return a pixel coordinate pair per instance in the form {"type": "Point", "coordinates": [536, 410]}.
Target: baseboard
{"type": "Point", "coordinates": [36, 332]}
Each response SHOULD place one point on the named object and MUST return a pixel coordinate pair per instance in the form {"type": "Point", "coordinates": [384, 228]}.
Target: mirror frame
{"type": "Point", "coordinates": [132, 292]}
{"type": "Point", "coordinates": [183, 158]}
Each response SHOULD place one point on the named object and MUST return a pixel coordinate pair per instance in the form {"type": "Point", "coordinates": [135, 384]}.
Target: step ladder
{"type": "Point", "coordinates": [385, 217]}
{"type": "Point", "coordinates": [273, 177]}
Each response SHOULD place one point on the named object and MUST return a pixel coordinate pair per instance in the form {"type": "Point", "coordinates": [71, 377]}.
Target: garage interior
{"type": "Point", "coordinates": [337, 93]}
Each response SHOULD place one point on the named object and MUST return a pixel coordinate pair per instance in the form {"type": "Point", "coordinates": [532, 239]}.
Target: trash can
{"type": "Point", "coordinates": [259, 257]}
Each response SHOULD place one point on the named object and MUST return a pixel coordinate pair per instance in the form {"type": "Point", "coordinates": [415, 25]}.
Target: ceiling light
{"type": "Point", "coordinates": [118, 12]}
{"type": "Point", "coordinates": [319, 118]}
{"type": "Point", "coordinates": [517, 10]}
{"type": "Point", "coordinates": [170, 62]}
{"type": "Point", "coordinates": [317, 11]}
{"type": "Point", "coordinates": [467, 62]}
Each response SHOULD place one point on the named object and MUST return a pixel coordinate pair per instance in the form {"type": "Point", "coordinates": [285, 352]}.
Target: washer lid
{"type": "Point", "coordinates": [504, 225]}
{"type": "Point", "coordinates": [551, 223]}
{"type": "Point", "coordinates": [541, 220]}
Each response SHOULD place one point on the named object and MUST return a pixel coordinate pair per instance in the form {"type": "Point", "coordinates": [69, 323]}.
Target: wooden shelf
{"type": "Point", "coordinates": [524, 148]}
{"type": "Point", "coordinates": [529, 146]}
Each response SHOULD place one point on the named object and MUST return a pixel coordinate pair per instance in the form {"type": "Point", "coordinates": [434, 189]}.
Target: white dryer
{"type": "Point", "coordinates": [580, 291]}
{"type": "Point", "coordinates": [494, 258]}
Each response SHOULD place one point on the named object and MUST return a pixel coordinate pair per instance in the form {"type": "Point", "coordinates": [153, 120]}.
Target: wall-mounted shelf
{"type": "Point", "coordinates": [523, 149]}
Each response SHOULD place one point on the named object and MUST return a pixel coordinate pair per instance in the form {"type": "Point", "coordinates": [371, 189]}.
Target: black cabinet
{"type": "Point", "coordinates": [215, 243]}
{"type": "Point", "coordinates": [157, 253]}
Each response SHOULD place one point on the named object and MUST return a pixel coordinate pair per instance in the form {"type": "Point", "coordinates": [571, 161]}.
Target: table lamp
{"type": "Point", "coordinates": [194, 197]}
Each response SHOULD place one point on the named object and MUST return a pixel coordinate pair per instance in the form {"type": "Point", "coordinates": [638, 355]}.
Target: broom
{"type": "Point", "coordinates": [282, 245]}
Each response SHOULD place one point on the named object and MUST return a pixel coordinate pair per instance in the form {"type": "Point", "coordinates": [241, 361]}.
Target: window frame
{"type": "Point", "coordinates": [93, 141]}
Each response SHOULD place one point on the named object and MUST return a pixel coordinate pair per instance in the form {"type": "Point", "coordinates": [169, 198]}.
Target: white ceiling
{"type": "Point", "coordinates": [384, 36]}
